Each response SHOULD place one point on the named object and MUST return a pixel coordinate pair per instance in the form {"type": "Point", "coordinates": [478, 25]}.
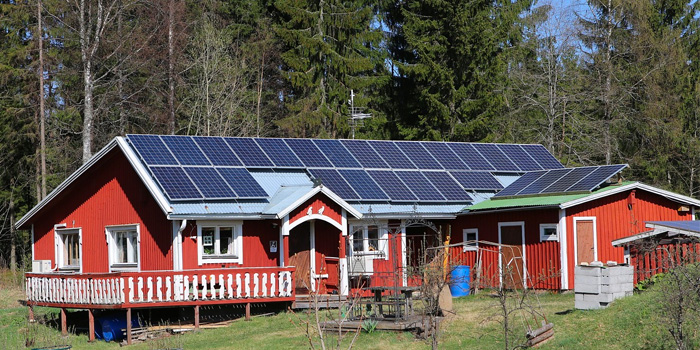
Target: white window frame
{"type": "Point", "coordinates": [383, 250]}
{"type": "Point", "coordinates": [110, 233]}
{"type": "Point", "coordinates": [544, 237]}
{"type": "Point", "coordinates": [236, 257]}
{"type": "Point", "coordinates": [58, 238]}
{"type": "Point", "coordinates": [470, 248]}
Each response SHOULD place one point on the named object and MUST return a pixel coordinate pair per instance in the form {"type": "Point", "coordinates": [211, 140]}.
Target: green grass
{"type": "Point", "coordinates": [627, 324]}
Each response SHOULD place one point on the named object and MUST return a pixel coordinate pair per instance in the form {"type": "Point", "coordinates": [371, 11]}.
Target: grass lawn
{"type": "Point", "coordinates": [626, 324]}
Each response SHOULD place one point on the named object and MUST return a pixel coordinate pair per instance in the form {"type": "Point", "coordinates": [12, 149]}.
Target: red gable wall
{"type": "Point", "coordinates": [332, 210]}
{"type": "Point", "coordinates": [110, 193]}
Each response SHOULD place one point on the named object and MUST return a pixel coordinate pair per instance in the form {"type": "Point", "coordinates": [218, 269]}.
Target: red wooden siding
{"type": "Point", "coordinates": [659, 260]}
{"type": "Point", "coordinates": [616, 218]}
{"type": "Point", "coordinates": [542, 258]}
{"type": "Point", "coordinates": [109, 193]}
{"type": "Point", "coordinates": [331, 210]}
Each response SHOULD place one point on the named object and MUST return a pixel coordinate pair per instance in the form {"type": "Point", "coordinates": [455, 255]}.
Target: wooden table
{"type": "Point", "coordinates": [406, 304]}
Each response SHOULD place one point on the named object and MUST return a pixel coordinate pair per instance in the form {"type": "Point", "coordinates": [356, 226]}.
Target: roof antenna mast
{"type": "Point", "coordinates": [356, 116]}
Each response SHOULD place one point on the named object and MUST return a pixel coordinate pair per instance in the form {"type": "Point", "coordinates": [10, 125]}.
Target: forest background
{"type": "Point", "coordinates": [596, 82]}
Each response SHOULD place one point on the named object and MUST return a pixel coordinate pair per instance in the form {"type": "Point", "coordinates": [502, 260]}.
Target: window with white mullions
{"type": "Point", "coordinates": [470, 237]}
{"type": "Point", "coordinates": [124, 245]}
{"type": "Point", "coordinates": [549, 232]}
{"type": "Point", "coordinates": [69, 249]}
{"type": "Point", "coordinates": [219, 242]}
{"type": "Point", "coordinates": [369, 240]}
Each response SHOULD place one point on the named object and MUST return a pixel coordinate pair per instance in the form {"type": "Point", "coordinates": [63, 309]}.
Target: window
{"type": "Point", "coordinates": [220, 242]}
{"type": "Point", "coordinates": [369, 239]}
{"type": "Point", "coordinates": [470, 236]}
{"type": "Point", "coordinates": [68, 249]}
{"type": "Point", "coordinates": [123, 247]}
{"type": "Point", "coordinates": [549, 232]}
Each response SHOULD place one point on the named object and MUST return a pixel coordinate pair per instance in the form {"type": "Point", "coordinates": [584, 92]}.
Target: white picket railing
{"type": "Point", "coordinates": [138, 288]}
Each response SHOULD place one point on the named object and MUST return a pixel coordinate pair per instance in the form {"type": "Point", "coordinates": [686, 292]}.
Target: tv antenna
{"type": "Point", "coordinates": [357, 118]}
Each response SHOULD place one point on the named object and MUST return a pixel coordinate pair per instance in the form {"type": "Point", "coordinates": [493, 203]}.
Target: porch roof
{"type": "Point", "coordinates": [664, 229]}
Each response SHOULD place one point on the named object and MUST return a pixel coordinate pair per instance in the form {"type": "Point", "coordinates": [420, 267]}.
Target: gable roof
{"type": "Point", "coordinates": [666, 229]}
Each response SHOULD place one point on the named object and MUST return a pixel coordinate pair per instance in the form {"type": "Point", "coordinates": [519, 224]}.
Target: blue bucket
{"type": "Point", "coordinates": [459, 281]}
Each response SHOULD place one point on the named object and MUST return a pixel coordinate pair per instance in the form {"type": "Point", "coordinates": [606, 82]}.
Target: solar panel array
{"type": "Point", "coordinates": [354, 169]}
{"type": "Point", "coordinates": [561, 180]}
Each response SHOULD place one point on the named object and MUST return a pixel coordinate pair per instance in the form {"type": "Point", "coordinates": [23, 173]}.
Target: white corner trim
{"type": "Point", "coordinates": [563, 248]}
{"type": "Point", "coordinates": [320, 189]}
{"type": "Point", "coordinates": [595, 237]}
{"type": "Point", "coordinates": [144, 175]}
{"type": "Point", "coordinates": [637, 185]}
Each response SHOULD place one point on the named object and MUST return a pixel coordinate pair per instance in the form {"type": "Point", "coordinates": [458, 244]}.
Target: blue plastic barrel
{"type": "Point", "coordinates": [109, 325]}
{"type": "Point", "coordinates": [459, 281]}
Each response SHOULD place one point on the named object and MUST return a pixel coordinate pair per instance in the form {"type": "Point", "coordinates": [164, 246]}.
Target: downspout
{"type": "Point", "coordinates": [183, 224]}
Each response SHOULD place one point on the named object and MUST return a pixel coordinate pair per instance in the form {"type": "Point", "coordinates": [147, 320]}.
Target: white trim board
{"type": "Point", "coordinates": [563, 248]}
{"type": "Point", "coordinates": [637, 185]}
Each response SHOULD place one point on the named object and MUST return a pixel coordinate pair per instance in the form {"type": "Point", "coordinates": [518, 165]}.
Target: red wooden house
{"type": "Point", "coordinates": [167, 221]}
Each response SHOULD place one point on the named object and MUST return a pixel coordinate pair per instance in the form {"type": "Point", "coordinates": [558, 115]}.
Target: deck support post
{"type": "Point", "coordinates": [64, 323]}
{"type": "Point", "coordinates": [247, 311]}
{"type": "Point", "coordinates": [128, 326]}
{"type": "Point", "coordinates": [91, 326]}
{"type": "Point", "coordinates": [31, 313]}
{"type": "Point", "coordinates": [196, 317]}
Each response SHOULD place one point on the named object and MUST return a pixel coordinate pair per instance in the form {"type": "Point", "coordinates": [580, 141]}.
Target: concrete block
{"type": "Point", "coordinates": [587, 271]}
{"type": "Point", "coordinates": [599, 298]}
{"type": "Point", "coordinates": [620, 271]}
{"type": "Point", "coordinates": [587, 305]}
{"type": "Point", "coordinates": [590, 288]}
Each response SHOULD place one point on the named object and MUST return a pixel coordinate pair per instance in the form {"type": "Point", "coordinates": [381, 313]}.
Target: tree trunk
{"type": "Point", "coordinates": [13, 235]}
{"type": "Point", "coordinates": [171, 68]}
{"type": "Point", "coordinates": [42, 113]}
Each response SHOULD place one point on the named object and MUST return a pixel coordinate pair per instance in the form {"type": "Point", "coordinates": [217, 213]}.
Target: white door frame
{"type": "Point", "coordinates": [595, 236]}
{"type": "Point", "coordinates": [500, 260]}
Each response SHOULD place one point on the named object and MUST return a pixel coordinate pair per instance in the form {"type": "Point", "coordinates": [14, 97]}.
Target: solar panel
{"type": "Point", "coordinates": [473, 159]}
{"type": "Point", "coordinates": [496, 157]}
{"type": "Point", "coordinates": [185, 150]}
{"type": "Point", "coordinates": [392, 185]}
{"type": "Point", "coordinates": [248, 152]}
{"type": "Point", "coordinates": [444, 155]}
{"type": "Point", "coordinates": [309, 154]}
{"type": "Point", "coordinates": [363, 184]}
{"type": "Point", "coordinates": [477, 180]}
{"type": "Point", "coordinates": [175, 183]}
{"type": "Point", "coordinates": [597, 177]}
{"type": "Point", "coordinates": [218, 152]}
{"type": "Point", "coordinates": [519, 184]}
{"type": "Point", "coordinates": [418, 155]}
{"type": "Point", "coordinates": [568, 180]}
{"type": "Point", "coordinates": [336, 183]}
{"type": "Point", "coordinates": [242, 183]}
{"type": "Point", "coordinates": [447, 186]}
{"type": "Point", "coordinates": [152, 150]}
{"type": "Point", "coordinates": [337, 154]}
{"type": "Point", "coordinates": [209, 182]}
{"type": "Point", "coordinates": [542, 156]}
{"type": "Point", "coordinates": [544, 181]}
{"type": "Point", "coordinates": [364, 154]}
{"type": "Point", "coordinates": [392, 155]}
{"type": "Point", "coordinates": [521, 158]}
{"type": "Point", "coordinates": [420, 186]}
{"type": "Point", "coordinates": [279, 153]}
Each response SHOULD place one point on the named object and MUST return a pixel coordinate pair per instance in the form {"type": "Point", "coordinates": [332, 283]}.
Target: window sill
{"type": "Point", "coordinates": [124, 267]}
{"type": "Point", "coordinates": [375, 254]}
{"type": "Point", "coordinates": [70, 269]}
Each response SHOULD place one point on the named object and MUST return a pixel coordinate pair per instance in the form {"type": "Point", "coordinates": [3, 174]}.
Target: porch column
{"type": "Point", "coordinates": [343, 263]}
{"type": "Point", "coordinates": [196, 317]}
{"type": "Point", "coordinates": [91, 326]}
{"type": "Point", "coordinates": [284, 242]}
{"type": "Point", "coordinates": [128, 326]}
{"type": "Point", "coordinates": [64, 325]}
{"type": "Point", "coordinates": [31, 313]}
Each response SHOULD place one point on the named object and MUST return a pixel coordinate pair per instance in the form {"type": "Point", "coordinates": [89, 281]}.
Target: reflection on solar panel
{"type": "Point", "coordinates": [444, 155]}
{"type": "Point", "coordinates": [391, 154]}
{"type": "Point", "coordinates": [218, 152]}
{"type": "Point", "coordinates": [520, 183]}
{"type": "Point", "coordinates": [447, 186]}
{"type": "Point", "coordinates": [309, 154]}
{"type": "Point", "coordinates": [175, 183]}
{"type": "Point", "coordinates": [473, 159]}
{"type": "Point", "coordinates": [544, 181]}
{"type": "Point", "coordinates": [418, 155]}
{"type": "Point", "coordinates": [365, 154]}
{"type": "Point", "coordinates": [596, 178]}
{"type": "Point", "coordinates": [152, 149]}
{"type": "Point", "coordinates": [518, 155]}
{"type": "Point", "coordinates": [495, 157]}
{"type": "Point", "coordinates": [242, 183]}
{"type": "Point", "coordinates": [420, 186]}
{"type": "Point", "coordinates": [337, 154]}
{"type": "Point", "coordinates": [279, 153]}
{"type": "Point", "coordinates": [568, 180]}
{"type": "Point", "coordinates": [477, 180]}
{"type": "Point", "coordinates": [209, 182]}
{"type": "Point", "coordinates": [184, 149]}
{"type": "Point", "coordinates": [542, 156]}
{"type": "Point", "coordinates": [331, 179]}
{"type": "Point", "coordinates": [248, 152]}
{"type": "Point", "coordinates": [392, 185]}
{"type": "Point", "coordinates": [360, 181]}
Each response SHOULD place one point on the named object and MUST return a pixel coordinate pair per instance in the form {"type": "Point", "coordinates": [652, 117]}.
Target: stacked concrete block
{"type": "Point", "coordinates": [598, 286]}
